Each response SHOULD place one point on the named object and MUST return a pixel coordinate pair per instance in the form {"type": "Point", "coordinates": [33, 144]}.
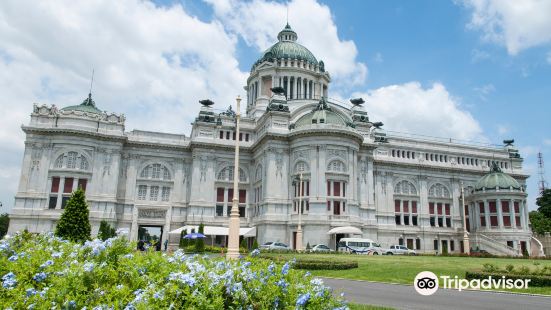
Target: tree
{"type": "Point", "coordinates": [183, 241]}
{"type": "Point", "coordinates": [4, 224]}
{"type": "Point", "coordinates": [243, 244]}
{"type": "Point", "coordinates": [255, 244]}
{"type": "Point", "coordinates": [199, 242]}
{"type": "Point", "coordinates": [105, 231]}
{"type": "Point", "coordinates": [74, 224]}
{"type": "Point", "coordinates": [544, 203]}
{"type": "Point", "coordinates": [540, 223]}
{"type": "Point", "coordinates": [308, 247]}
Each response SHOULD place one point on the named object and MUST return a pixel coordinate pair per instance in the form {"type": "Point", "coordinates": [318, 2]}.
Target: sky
{"type": "Point", "coordinates": [476, 70]}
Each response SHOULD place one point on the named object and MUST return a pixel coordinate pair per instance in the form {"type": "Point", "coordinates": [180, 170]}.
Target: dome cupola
{"type": "Point", "coordinates": [88, 105]}
{"type": "Point", "coordinates": [496, 179]}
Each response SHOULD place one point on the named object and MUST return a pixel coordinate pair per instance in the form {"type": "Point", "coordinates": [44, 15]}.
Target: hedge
{"type": "Point", "coordinates": [538, 281]}
{"type": "Point", "coordinates": [313, 264]}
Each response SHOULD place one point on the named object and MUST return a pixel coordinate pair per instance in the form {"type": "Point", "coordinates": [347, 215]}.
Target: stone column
{"type": "Point", "coordinates": [487, 214]}
{"type": "Point", "coordinates": [524, 211]}
{"type": "Point", "coordinates": [512, 213]}
{"type": "Point", "coordinates": [423, 208]}
{"type": "Point", "coordinates": [168, 218]}
{"type": "Point", "coordinates": [134, 228]}
{"type": "Point", "coordinates": [370, 184]}
{"type": "Point", "coordinates": [60, 192]}
{"type": "Point", "coordinates": [499, 214]}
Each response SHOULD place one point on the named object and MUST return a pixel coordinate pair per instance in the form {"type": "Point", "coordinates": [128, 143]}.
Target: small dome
{"type": "Point", "coordinates": [287, 48]}
{"type": "Point", "coordinates": [322, 114]}
{"type": "Point", "coordinates": [88, 105]}
{"type": "Point", "coordinates": [496, 179]}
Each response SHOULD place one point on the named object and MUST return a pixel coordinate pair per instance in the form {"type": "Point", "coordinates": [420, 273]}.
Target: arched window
{"type": "Point", "coordinates": [439, 191]}
{"type": "Point", "coordinates": [227, 174]}
{"type": "Point", "coordinates": [405, 188]}
{"type": "Point", "coordinates": [336, 166]}
{"type": "Point", "coordinates": [156, 172]}
{"type": "Point", "coordinates": [71, 160]}
{"type": "Point", "coordinates": [301, 166]}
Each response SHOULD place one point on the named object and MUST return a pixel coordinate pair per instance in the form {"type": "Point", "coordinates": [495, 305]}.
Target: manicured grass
{"type": "Point", "coordinates": [403, 269]}
{"type": "Point", "coordinates": [367, 307]}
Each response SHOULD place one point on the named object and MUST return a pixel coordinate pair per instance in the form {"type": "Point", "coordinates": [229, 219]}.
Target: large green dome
{"type": "Point", "coordinates": [88, 105]}
{"type": "Point", "coordinates": [287, 47]}
{"type": "Point", "coordinates": [496, 179]}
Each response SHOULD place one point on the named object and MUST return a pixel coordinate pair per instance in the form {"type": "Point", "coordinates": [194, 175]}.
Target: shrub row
{"type": "Point", "coordinates": [315, 264]}
{"type": "Point", "coordinates": [538, 281]}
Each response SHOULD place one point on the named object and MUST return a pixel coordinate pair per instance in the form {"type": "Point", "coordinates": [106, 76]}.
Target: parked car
{"type": "Point", "coordinates": [274, 246]}
{"type": "Point", "coordinates": [320, 248]}
{"type": "Point", "coordinates": [400, 250]}
{"type": "Point", "coordinates": [359, 246]}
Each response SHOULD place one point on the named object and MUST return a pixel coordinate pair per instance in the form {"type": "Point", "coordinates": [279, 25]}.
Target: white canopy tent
{"type": "Point", "coordinates": [217, 230]}
{"type": "Point", "coordinates": [345, 230]}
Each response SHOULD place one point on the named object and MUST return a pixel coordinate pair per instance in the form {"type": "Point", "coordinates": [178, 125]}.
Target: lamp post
{"type": "Point", "coordinates": [298, 242]}
{"type": "Point", "coordinates": [233, 234]}
{"type": "Point", "coordinates": [466, 241]}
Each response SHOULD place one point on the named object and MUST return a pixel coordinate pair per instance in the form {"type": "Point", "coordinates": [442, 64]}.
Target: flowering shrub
{"type": "Point", "coordinates": [44, 272]}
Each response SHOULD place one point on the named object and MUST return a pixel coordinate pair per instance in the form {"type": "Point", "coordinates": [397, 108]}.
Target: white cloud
{"type": "Point", "coordinates": [479, 55]}
{"type": "Point", "coordinates": [151, 63]}
{"type": "Point", "coordinates": [410, 108]}
{"type": "Point", "coordinates": [258, 23]}
{"type": "Point", "coordinates": [517, 25]}
{"type": "Point", "coordinates": [502, 129]}
{"type": "Point", "coordinates": [547, 141]}
{"type": "Point", "coordinates": [379, 57]}
{"type": "Point", "coordinates": [485, 90]}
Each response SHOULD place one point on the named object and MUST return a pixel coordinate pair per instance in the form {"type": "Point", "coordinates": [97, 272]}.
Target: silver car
{"type": "Point", "coordinates": [400, 250]}
{"type": "Point", "coordinates": [274, 246]}
{"type": "Point", "coordinates": [320, 248]}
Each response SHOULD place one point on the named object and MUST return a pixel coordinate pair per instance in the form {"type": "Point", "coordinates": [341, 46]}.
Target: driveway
{"type": "Point", "coordinates": [405, 297]}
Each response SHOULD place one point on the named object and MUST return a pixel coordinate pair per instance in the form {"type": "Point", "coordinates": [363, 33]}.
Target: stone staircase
{"type": "Point", "coordinates": [492, 246]}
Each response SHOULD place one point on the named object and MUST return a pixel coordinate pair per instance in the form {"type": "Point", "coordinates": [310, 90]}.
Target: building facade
{"type": "Point", "coordinates": [393, 189]}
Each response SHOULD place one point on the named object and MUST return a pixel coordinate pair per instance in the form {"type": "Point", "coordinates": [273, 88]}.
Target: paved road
{"type": "Point", "coordinates": [405, 297]}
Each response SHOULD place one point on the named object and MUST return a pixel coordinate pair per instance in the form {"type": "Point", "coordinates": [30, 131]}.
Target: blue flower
{"type": "Point", "coordinates": [271, 268]}
{"type": "Point", "coordinates": [303, 299]}
{"type": "Point", "coordinates": [88, 267]}
{"type": "Point", "coordinates": [285, 269]}
{"type": "Point", "coordinates": [281, 283]}
{"type": "Point", "coordinates": [255, 253]}
{"type": "Point", "coordinates": [30, 292]}
{"type": "Point", "coordinates": [56, 254]}
{"type": "Point", "coordinates": [39, 277]}
{"type": "Point", "coordinates": [9, 281]}
{"type": "Point", "coordinates": [46, 264]}
{"type": "Point", "coordinates": [129, 255]}
{"type": "Point", "coordinates": [13, 258]}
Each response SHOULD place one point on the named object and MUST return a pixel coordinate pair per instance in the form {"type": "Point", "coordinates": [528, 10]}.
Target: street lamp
{"type": "Point", "coordinates": [233, 234]}
{"type": "Point", "coordinates": [466, 241]}
{"type": "Point", "coordinates": [298, 242]}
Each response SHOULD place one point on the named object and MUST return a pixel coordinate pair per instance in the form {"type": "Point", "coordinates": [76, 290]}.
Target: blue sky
{"type": "Point", "coordinates": [475, 69]}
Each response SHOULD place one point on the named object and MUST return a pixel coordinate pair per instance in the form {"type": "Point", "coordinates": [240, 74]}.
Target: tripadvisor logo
{"type": "Point", "coordinates": [426, 283]}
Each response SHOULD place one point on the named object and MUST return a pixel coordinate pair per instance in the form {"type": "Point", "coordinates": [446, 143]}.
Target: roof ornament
{"type": "Point", "coordinates": [357, 101]}
{"type": "Point", "coordinates": [278, 90]}
{"type": "Point", "coordinates": [229, 112]}
{"type": "Point", "coordinates": [495, 167]}
{"type": "Point", "coordinates": [206, 102]}
{"type": "Point", "coordinates": [509, 142]}
{"type": "Point", "coordinates": [88, 101]}
{"type": "Point", "coordinates": [322, 105]}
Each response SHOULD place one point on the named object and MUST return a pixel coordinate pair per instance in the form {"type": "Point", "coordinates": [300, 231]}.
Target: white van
{"type": "Point", "coordinates": [359, 246]}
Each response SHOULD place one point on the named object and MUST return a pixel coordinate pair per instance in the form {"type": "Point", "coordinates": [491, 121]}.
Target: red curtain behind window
{"type": "Point", "coordinates": [414, 207]}
{"type": "Point", "coordinates": [336, 188]}
{"type": "Point", "coordinates": [68, 187]}
{"type": "Point", "coordinates": [396, 205]}
{"type": "Point", "coordinates": [230, 194]}
{"type": "Point", "coordinates": [242, 196]}
{"type": "Point", "coordinates": [431, 207]}
{"type": "Point", "coordinates": [220, 194]}
{"type": "Point", "coordinates": [55, 185]}
{"type": "Point", "coordinates": [505, 206]}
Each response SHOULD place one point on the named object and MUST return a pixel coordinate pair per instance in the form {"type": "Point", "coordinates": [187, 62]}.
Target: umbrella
{"type": "Point", "coordinates": [194, 236]}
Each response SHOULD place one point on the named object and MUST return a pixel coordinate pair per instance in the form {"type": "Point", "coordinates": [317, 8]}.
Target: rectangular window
{"type": "Point", "coordinates": [406, 219]}
{"type": "Point", "coordinates": [343, 207]}
{"type": "Point", "coordinates": [414, 207]}
{"type": "Point", "coordinates": [230, 195]}
{"type": "Point", "coordinates": [440, 222]}
{"type": "Point", "coordinates": [142, 190]}
{"type": "Point", "coordinates": [397, 206]}
{"type": "Point", "coordinates": [418, 244]}
{"type": "Point", "coordinates": [447, 209]}
{"type": "Point", "coordinates": [247, 137]}
{"type": "Point", "coordinates": [406, 206]}
{"type": "Point", "coordinates": [242, 196]}
{"type": "Point", "coordinates": [336, 188]}
{"type": "Point", "coordinates": [336, 208]}
{"type": "Point", "coordinates": [233, 135]}
{"type": "Point", "coordinates": [82, 184]}
{"type": "Point", "coordinates": [448, 222]}
{"type": "Point", "coordinates": [64, 201]}
{"type": "Point", "coordinates": [240, 136]}
{"type": "Point", "coordinates": [493, 220]}
{"type": "Point", "coordinates": [432, 221]}
{"type": "Point", "coordinates": [343, 189]}
{"type": "Point", "coordinates": [328, 188]}
{"type": "Point", "coordinates": [439, 205]}
{"type": "Point", "coordinates": [227, 135]}
{"type": "Point", "coordinates": [505, 206]}
{"type": "Point", "coordinates": [329, 206]}
{"type": "Point", "coordinates": [435, 245]}
{"type": "Point", "coordinates": [53, 202]}
{"type": "Point", "coordinates": [493, 208]}
{"type": "Point", "coordinates": [517, 220]}
{"type": "Point", "coordinates": [397, 219]}
{"type": "Point", "coordinates": [55, 185]}
{"type": "Point", "coordinates": [517, 207]}
{"type": "Point", "coordinates": [221, 134]}
{"type": "Point", "coordinates": [165, 196]}
{"type": "Point", "coordinates": [414, 220]}
{"type": "Point", "coordinates": [510, 244]}
{"type": "Point", "coordinates": [68, 187]}
{"type": "Point", "coordinates": [481, 208]}
{"type": "Point", "coordinates": [506, 221]}
{"type": "Point", "coordinates": [307, 188]}
{"type": "Point", "coordinates": [452, 245]}
{"type": "Point", "coordinates": [154, 193]}
{"type": "Point", "coordinates": [483, 221]}
{"type": "Point", "coordinates": [431, 207]}
{"type": "Point", "coordinates": [220, 194]}
{"type": "Point", "coordinates": [228, 210]}
{"type": "Point", "coordinates": [219, 210]}
{"type": "Point", "coordinates": [241, 211]}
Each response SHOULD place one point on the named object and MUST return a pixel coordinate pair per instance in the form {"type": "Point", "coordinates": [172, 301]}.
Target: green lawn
{"type": "Point", "coordinates": [367, 307]}
{"type": "Point", "coordinates": [403, 269]}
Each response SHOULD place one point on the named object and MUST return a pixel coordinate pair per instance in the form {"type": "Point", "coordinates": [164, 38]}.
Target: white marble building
{"type": "Point", "coordinates": [395, 189]}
